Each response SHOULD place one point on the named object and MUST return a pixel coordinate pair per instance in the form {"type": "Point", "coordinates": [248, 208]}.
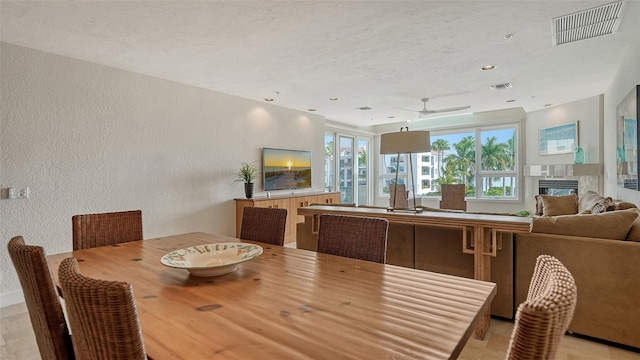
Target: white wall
{"type": "Point", "coordinates": [626, 78]}
{"type": "Point", "coordinates": [588, 113]}
{"type": "Point", "coordinates": [88, 138]}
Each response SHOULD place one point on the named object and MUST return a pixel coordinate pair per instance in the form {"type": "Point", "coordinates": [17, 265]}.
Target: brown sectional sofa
{"type": "Point", "coordinates": [600, 245]}
{"type": "Point", "coordinates": [607, 275]}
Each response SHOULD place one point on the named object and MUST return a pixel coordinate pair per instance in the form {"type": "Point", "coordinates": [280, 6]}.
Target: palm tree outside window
{"type": "Point", "coordinates": [484, 159]}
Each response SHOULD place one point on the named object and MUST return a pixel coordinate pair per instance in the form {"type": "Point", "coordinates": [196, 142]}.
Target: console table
{"type": "Point", "coordinates": [485, 231]}
{"type": "Point", "coordinates": [291, 202]}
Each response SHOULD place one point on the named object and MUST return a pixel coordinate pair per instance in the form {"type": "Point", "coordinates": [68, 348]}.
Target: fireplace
{"type": "Point", "coordinates": [557, 187]}
{"type": "Point", "coordinates": [561, 179]}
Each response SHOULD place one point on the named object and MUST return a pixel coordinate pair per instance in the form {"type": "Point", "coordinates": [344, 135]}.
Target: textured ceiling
{"type": "Point", "coordinates": [378, 54]}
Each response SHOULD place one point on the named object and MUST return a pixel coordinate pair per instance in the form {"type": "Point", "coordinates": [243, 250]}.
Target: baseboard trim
{"type": "Point", "coordinates": [11, 298]}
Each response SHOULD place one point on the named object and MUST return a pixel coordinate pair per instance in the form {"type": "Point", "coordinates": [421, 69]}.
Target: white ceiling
{"type": "Point", "coordinates": [379, 54]}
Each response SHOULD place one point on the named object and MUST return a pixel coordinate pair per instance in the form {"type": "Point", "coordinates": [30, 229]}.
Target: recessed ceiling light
{"type": "Point", "coordinates": [508, 36]}
{"type": "Point", "coordinates": [364, 108]}
{"type": "Point", "coordinates": [333, 99]}
{"type": "Point", "coordinates": [488, 67]}
{"type": "Point", "coordinates": [510, 100]}
{"type": "Point", "coordinates": [268, 99]}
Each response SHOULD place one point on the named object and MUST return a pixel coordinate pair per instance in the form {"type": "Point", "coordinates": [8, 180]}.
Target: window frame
{"type": "Point", "coordinates": [476, 129]}
{"type": "Point", "coordinates": [337, 132]}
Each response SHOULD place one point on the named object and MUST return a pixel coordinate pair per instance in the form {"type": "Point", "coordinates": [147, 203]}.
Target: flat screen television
{"type": "Point", "coordinates": [286, 169]}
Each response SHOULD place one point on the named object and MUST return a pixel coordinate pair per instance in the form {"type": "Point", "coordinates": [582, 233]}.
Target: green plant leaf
{"type": "Point", "coordinates": [247, 173]}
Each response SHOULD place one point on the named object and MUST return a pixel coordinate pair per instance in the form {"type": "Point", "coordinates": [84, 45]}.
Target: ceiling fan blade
{"type": "Point", "coordinates": [406, 109]}
{"type": "Point", "coordinates": [446, 110]}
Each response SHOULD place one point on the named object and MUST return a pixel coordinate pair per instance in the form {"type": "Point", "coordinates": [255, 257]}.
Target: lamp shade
{"type": "Point", "coordinates": [404, 142]}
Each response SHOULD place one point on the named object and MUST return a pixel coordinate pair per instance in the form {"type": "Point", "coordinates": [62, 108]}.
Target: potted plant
{"type": "Point", "coordinates": [246, 174]}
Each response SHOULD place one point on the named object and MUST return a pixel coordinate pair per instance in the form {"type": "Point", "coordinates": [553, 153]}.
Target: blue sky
{"type": "Point", "coordinates": [503, 135]}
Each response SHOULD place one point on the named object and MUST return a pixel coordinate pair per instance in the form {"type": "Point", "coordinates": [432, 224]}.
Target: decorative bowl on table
{"type": "Point", "coordinates": [211, 259]}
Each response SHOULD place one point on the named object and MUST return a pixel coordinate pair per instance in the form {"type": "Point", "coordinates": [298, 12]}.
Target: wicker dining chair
{"type": "Point", "coordinates": [41, 297]}
{"type": "Point", "coordinates": [102, 315]}
{"type": "Point", "coordinates": [453, 197]}
{"type": "Point", "coordinates": [94, 230]}
{"type": "Point", "coordinates": [266, 225]}
{"type": "Point", "coordinates": [543, 318]}
{"type": "Point", "coordinates": [357, 237]}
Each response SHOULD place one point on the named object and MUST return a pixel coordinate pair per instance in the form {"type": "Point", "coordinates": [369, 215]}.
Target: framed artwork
{"type": "Point", "coordinates": [627, 114]}
{"type": "Point", "coordinates": [560, 139]}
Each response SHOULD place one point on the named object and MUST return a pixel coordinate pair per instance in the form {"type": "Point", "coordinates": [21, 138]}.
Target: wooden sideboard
{"type": "Point", "coordinates": [291, 202]}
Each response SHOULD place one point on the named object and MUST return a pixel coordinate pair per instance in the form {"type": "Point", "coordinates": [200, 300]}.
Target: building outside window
{"type": "Point", "coordinates": [388, 165]}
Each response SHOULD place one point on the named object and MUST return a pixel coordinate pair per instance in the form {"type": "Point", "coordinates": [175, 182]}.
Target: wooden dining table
{"type": "Point", "coordinates": [483, 244]}
{"type": "Point", "coordinates": [289, 304]}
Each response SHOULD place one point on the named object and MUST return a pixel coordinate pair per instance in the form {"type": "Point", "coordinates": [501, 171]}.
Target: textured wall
{"type": "Point", "coordinates": [88, 138]}
{"type": "Point", "coordinates": [588, 113]}
{"type": "Point", "coordinates": [627, 77]}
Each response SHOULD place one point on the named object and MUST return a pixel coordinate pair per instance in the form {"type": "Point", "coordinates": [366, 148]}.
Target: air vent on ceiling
{"type": "Point", "coordinates": [501, 86]}
{"type": "Point", "coordinates": [599, 21]}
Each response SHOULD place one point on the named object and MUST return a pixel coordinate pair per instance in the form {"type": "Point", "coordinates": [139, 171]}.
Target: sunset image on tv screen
{"type": "Point", "coordinates": [286, 169]}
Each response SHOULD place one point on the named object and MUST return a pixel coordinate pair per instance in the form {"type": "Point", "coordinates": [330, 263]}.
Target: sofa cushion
{"type": "Point", "coordinates": [559, 205]}
{"type": "Point", "coordinates": [634, 232]}
{"type": "Point", "coordinates": [589, 200]}
{"type": "Point", "coordinates": [609, 225]}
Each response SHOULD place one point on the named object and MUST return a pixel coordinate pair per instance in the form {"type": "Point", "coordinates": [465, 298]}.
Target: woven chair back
{"type": "Point", "coordinates": [102, 315]}
{"type": "Point", "coordinates": [266, 225]}
{"type": "Point", "coordinates": [94, 230]}
{"type": "Point", "coordinates": [41, 298]}
{"type": "Point", "coordinates": [357, 237]}
{"type": "Point", "coordinates": [453, 197]}
{"type": "Point", "coordinates": [544, 317]}
{"type": "Point", "coordinates": [398, 196]}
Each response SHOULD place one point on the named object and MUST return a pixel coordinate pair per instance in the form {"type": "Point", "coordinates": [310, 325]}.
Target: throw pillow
{"type": "Point", "coordinates": [598, 209]}
{"type": "Point", "coordinates": [559, 205]}
{"type": "Point", "coordinates": [623, 205]}
{"type": "Point", "coordinates": [609, 204]}
{"type": "Point", "coordinates": [539, 205]}
{"type": "Point", "coordinates": [589, 200]}
{"type": "Point", "coordinates": [609, 225]}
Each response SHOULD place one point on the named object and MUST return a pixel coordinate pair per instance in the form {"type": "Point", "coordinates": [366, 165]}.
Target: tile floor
{"type": "Point", "coordinates": [17, 342]}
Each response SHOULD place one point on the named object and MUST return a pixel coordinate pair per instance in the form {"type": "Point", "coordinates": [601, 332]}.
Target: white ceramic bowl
{"type": "Point", "coordinates": [211, 259]}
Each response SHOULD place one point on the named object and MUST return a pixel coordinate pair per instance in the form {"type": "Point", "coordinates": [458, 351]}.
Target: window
{"type": "Point", "coordinates": [363, 172]}
{"type": "Point", "coordinates": [483, 158]}
{"type": "Point", "coordinates": [455, 158]}
{"type": "Point", "coordinates": [347, 166]}
{"type": "Point", "coordinates": [345, 169]}
{"type": "Point", "coordinates": [388, 166]}
{"type": "Point", "coordinates": [329, 162]}
{"type": "Point", "coordinates": [497, 175]}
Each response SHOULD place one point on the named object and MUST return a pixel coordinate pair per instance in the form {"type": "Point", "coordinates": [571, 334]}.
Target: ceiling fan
{"type": "Point", "coordinates": [425, 111]}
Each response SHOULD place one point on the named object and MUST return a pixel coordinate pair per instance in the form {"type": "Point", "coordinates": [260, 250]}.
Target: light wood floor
{"type": "Point", "coordinates": [17, 342]}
